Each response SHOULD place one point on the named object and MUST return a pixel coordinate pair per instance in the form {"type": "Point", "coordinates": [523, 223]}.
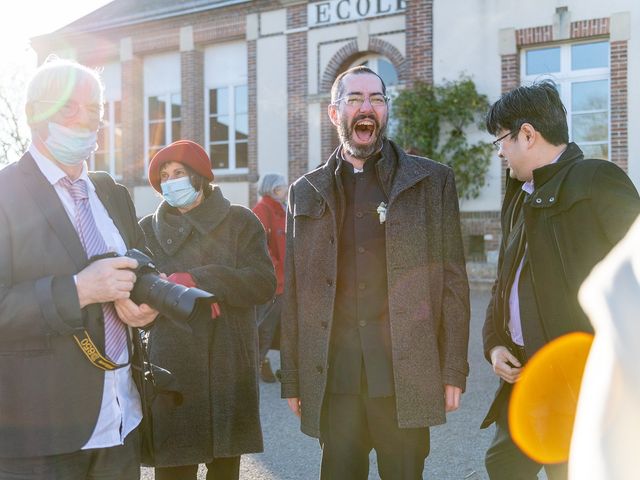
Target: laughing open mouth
{"type": "Point", "coordinates": [364, 130]}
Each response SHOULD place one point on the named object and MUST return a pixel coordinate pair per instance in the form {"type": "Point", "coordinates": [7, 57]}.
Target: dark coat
{"type": "Point", "coordinates": [579, 210]}
{"type": "Point", "coordinates": [50, 394]}
{"type": "Point", "coordinates": [427, 286]}
{"type": "Point", "coordinates": [273, 218]}
{"type": "Point", "coordinates": [214, 362]}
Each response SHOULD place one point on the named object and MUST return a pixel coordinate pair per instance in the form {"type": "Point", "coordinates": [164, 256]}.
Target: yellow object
{"type": "Point", "coordinates": [543, 402]}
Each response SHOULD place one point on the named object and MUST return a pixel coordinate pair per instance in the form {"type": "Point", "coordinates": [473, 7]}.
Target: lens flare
{"type": "Point", "coordinates": [543, 402]}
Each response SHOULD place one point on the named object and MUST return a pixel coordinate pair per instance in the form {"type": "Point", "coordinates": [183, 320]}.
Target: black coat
{"type": "Point", "coordinates": [214, 362]}
{"type": "Point", "coordinates": [50, 394]}
{"type": "Point", "coordinates": [579, 210]}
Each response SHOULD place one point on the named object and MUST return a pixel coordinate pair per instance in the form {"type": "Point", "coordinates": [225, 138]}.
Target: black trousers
{"type": "Point", "coordinates": [352, 425]}
{"type": "Point", "coordinates": [505, 461]}
{"type": "Point", "coordinates": [227, 468]}
{"type": "Point", "coordinates": [114, 463]}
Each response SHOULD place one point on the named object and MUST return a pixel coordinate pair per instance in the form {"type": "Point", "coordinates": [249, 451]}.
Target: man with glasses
{"type": "Point", "coordinates": [376, 321]}
{"type": "Point", "coordinates": [69, 407]}
{"type": "Point", "coordinates": [561, 215]}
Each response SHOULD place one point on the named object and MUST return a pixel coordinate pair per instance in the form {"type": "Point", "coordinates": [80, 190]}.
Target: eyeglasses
{"type": "Point", "coordinates": [357, 100]}
{"type": "Point", "coordinates": [498, 143]}
{"type": "Point", "coordinates": [71, 108]}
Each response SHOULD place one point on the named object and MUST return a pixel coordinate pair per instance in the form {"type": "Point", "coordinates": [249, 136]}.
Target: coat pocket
{"type": "Point", "coordinates": [312, 207]}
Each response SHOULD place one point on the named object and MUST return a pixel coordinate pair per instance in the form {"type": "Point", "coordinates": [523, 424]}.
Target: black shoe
{"type": "Point", "coordinates": [266, 374]}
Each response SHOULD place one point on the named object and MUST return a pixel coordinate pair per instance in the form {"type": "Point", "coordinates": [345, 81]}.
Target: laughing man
{"type": "Point", "coordinates": [376, 318]}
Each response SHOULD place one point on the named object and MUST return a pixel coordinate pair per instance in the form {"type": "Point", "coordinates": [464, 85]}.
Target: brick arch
{"type": "Point", "coordinates": [338, 64]}
{"type": "Point", "coordinates": [349, 53]}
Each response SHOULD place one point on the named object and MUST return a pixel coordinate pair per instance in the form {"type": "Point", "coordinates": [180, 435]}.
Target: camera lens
{"type": "Point", "coordinates": [170, 299]}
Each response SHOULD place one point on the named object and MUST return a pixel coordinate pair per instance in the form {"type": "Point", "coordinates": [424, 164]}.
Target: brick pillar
{"type": "Point", "coordinates": [192, 112]}
{"type": "Point", "coordinates": [510, 79]}
{"type": "Point", "coordinates": [419, 40]}
{"type": "Point", "coordinates": [252, 88]}
{"type": "Point", "coordinates": [297, 87]}
{"type": "Point", "coordinates": [329, 140]}
{"type": "Point", "coordinates": [619, 129]}
{"type": "Point", "coordinates": [510, 72]}
{"type": "Point", "coordinates": [133, 122]}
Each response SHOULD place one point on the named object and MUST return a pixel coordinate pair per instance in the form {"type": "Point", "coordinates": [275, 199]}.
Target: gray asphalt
{"type": "Point", "coordinates": [457, 448]}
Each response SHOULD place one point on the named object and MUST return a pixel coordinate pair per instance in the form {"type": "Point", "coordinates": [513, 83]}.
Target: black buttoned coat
{"type": "Point", "coordinates": [427, 286]}
{"type": "Point", "coordinates": [579, 210]}
{"type": "Point", "coordinates": [214, 362]}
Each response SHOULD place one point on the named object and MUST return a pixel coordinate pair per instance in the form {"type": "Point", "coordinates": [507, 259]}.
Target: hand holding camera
{"type": "Point", "coordinates": [106, 280]}
{"type": "Point", "coordinates": [152, 288]}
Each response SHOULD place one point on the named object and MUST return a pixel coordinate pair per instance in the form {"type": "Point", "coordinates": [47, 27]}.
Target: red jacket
{"type": "Point", "coordinates": [272, 215]}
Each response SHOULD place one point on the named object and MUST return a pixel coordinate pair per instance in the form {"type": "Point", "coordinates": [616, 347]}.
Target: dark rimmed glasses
{"type": "Point", "coordinates": [498, 142]}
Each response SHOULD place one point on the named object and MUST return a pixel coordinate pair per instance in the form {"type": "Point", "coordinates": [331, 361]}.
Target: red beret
{"type": "Point", "coordinates": [183, 151]}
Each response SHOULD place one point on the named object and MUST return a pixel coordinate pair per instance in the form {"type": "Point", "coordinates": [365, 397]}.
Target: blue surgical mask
{"type": "Point", "coordinates": [70, 146]}
{"type": "Point", "coordinates": [179, 192]}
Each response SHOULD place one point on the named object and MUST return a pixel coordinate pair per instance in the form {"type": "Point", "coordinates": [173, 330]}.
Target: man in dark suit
{"type": "Point", "coordinates": [69, 407]}
{"type": "Point", "coordinates": [561, 215]}
{"type": "Point", "coordinates": [376, 320]}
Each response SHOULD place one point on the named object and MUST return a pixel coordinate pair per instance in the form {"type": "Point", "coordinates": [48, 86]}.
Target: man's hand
{"type": "Point", "coordinates": [452, 398]}
{"type": "Point", "coordinates": [505, 364]}
{"type": "Point", "coordinates": [134, 315]}
{"type": "Point", "coordinates": [106, 280]}
{"type": "Point", "coordinates": [295, 405]}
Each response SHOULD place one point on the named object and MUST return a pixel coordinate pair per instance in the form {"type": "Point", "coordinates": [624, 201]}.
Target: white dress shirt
{"type": "Point", "coordinates": [121, 410]}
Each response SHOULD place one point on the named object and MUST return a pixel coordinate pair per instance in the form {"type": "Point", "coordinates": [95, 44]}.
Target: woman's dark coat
{"type": "Point", "coordinates": [214, 362]}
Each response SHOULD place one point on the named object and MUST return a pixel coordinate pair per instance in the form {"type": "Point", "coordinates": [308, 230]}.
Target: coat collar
{"type": "Point", "coordinates": [172, 229]}
{"type": "Point", "coordinates": [274, 205]}
{"type": "Point", "coordinates": [397, 171]}
{"type": "Point", "coordinates": [548, 180]}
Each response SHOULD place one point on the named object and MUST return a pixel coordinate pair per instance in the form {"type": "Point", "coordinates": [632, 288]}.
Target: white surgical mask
{"type": "Point", "coordinates": [179, 192]}
{"type": "Point", "coordinates": [70, 146]}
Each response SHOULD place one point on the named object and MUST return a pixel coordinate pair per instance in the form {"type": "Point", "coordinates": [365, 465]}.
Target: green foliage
{"type": "Point", "coordinates": [433, 120]}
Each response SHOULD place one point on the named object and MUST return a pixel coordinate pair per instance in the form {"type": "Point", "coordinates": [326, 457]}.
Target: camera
{"type": "Point", "coordinates": [170, 299]}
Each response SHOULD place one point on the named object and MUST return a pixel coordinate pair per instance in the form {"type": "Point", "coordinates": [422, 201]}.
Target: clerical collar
{"type": "Point", "coordinates": [369, 163]}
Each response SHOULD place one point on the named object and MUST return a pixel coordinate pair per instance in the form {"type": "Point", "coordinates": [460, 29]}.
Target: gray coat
{"type": "Point", "coordinates": [427, 285]}
{"type": "Point", "coordinates": [214, 362]}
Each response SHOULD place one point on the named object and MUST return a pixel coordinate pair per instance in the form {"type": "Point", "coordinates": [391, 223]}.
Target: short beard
{"type": "Point", "coordinates": [345, 133]}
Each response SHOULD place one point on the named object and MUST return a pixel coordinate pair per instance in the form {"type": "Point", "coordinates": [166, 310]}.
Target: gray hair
{"type": "Point", "coordinates": [56, 80]}
{"type": "Point", "coordinates": [269, 182]}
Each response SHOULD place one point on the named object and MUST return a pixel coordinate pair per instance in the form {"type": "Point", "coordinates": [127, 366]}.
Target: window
{"type": "Point", "coordinates": [108, 157]}
{"type": "Point", "coordinates": [582, 73]}
{"type": "Point", "coordinates": [228, 127]}
{"type": "Point", "coordinates": [389, 75]}
{"type": "Point", "coordinates": [163, 121]}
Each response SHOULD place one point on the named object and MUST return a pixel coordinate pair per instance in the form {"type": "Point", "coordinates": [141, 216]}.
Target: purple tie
{"type": "Point", "coordinates": [115, 331]}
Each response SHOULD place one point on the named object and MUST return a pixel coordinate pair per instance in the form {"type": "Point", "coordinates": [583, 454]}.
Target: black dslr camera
{"type": "Point", "coordinates": [170, 299]}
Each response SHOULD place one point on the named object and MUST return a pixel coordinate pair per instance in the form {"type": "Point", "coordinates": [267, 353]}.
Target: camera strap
{"type": "Point", "coordinates": [94, 355]}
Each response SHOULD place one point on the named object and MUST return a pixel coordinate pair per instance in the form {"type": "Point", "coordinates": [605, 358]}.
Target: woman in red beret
{"type": "Point", "coordinates": [200, 239]}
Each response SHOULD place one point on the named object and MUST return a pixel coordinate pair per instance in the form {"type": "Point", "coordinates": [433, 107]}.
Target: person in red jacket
{"type": "Point", "coordinates": [272, 189]}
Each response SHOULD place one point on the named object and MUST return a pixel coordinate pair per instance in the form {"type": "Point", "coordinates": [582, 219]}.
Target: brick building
{"type": "Point", "coordinates": [250, 79]}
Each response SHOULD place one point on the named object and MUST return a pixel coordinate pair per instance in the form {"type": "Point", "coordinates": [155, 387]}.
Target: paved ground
{"type": "Point", "coordinates": [457, 448]}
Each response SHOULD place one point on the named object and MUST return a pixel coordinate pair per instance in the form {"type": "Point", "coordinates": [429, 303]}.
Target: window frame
{"type": "Point", "coordinates": [566, 77]}
{"type": "Point", "coordinates": [110, 148]}
{"type": "Point", "coordinates": [231, 138]}
{"type": "Point", "coordinates": [167, 97]}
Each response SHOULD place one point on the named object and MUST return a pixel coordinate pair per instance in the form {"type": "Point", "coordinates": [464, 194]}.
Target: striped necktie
{"type": "Point", "coordinates": [115, 331]}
